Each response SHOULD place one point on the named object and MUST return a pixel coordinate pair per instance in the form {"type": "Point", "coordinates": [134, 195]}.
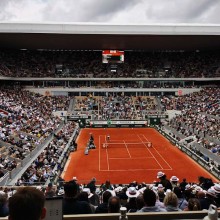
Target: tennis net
{"type": "Point", "coordinates": [128, 145]}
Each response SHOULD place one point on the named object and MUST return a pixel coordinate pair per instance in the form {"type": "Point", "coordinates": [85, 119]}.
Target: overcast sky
{"type": "Point", "coordinates": [111, 11]}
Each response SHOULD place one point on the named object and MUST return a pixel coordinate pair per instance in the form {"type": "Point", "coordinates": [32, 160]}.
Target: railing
{"type": "Point", "coordinates": [141, 216]}
{"type": "Point", "coordinates": [63, 158]}
{"type": "Point", "coordinates": [199, 147]}
{"type": "Point", "coordinates": [33, 154]}
{"type": "Point", "coordinates": [193, 154]}
{"type": "Point", "coordinates": [138, 216]}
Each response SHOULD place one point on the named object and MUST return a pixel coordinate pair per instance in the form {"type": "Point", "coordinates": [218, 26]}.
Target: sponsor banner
{"type": "Point", "coordinates": [156, 116]}
{"type": "Point", "coordinates": [189, 153]}
{"type": "Point", "coordinates": [118, 122]}
{"type": "Point", "coordinates": [98, 122]}
{"type": "Point", "coordinates": [74, 117]}
{"type": "Point", "coordinates": [194, 157]}
{"type": "Point", "coordinates": [183, 149]}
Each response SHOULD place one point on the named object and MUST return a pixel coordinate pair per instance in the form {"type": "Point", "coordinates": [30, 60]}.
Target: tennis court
{"type": "Point", "coordinates": [123, 155]}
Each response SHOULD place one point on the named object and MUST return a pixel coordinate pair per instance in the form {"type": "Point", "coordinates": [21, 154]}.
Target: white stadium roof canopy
{"type": "Point", "coordinates": [93, 36]}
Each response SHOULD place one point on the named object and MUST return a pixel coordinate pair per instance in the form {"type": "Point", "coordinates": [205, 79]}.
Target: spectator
{"type": "Point", "coordinates": [27, 203]}
{"type": "Point", "coordinates": [174, 181]}
{"type": "Point", "coordinates": [132, 194]}
{"type": "Point", "coordinates": [183, 184]}
{"type": "Point", "coordinates": [107, 185]}
{"type": "Point", "coordinates": [193, 205]}
{"type": "Point", "coordinates": [91, 185]}
{"type": "Point", "coordinates": [150, 201]}
{"type": "Point", "coordinates": [114, 204]}
{"type": "Point", "coordinates": [84, 196]}
{"type": "Point", "coordinates": [122, 195]}
{"type": "Point", "coordinates": [50, 191]}
{"type": "Point", "coordinates": [171, 202]}
{"type": "Point", "coordinates": [103, 207]}
{"type": "Point", "coordinates": [164, 181]}
{"type": "Point", "coordinates": [139, 202]}
{"type": "Point", "coordinates": [3, 204]}
{"type": "Point", "coordinates": [209, 199]}
{"type": "Point", "coordinates": [182, 203]}
{"type": "Point", "coordinates": [216, 188]}
{"type": "Point", "coordinates": [70, 203]}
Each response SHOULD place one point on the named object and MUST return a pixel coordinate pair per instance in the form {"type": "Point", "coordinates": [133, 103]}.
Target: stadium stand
{"type": "Point", "coordinates": [199, 118]}
{"type": "Point", "coordinates": [88, 64]}
{"type": "Point", "coordinates": [37, 134]}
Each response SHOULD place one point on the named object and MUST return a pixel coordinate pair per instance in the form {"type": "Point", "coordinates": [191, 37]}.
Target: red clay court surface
{"type": "Point", "coordinates": [128, 157]}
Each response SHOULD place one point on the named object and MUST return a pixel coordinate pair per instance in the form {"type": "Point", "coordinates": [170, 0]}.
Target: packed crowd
{"type": "Point", "coordinates": [199, 116]}
{"type": "Point", "coordinates": [84, 64]}
{"type": "Point", "coordinates": [26, 121]}
{"type": "Point", "coordinates": [43, 167]}
{"type": "Point", "coordinates": [164, 195]}
{"type": "Point", "coordinates": [117, 106]}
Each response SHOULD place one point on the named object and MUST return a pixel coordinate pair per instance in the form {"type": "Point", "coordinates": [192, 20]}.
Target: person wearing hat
{"type": "Point", "coordinates": [174, 181]}
{"type": "Point", "coordinates": [216, 188]}
{"type": "Point", "coordinates": [209, 199]}
{"type": "Point", "coordinates": [123, 197]}
{"type": "Point", "coordinates": [164, 181]}
{"type": "Point", "coordinates": [132, 194]}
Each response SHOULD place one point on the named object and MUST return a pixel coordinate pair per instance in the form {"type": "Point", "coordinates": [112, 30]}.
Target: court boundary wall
{"type": "Point", "coordinates": [214, 171]}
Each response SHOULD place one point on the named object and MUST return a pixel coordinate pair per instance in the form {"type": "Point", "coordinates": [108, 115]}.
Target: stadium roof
{"type": "Point", "coordinates": [93, 36]}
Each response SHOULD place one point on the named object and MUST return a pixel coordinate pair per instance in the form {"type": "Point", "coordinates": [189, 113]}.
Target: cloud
{"type": "Point", "coordinates": [85, 10]}
{"type": "Point", "coordinates": [111, 11]}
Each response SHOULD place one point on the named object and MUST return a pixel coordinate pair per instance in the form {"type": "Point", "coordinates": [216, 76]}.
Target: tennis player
{"type": "Point", "coordinates": [149, 144]}
{"type": "Point", "coordinates": [108, 137]}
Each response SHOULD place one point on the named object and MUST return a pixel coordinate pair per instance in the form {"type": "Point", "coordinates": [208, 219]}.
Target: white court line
{"type": "Point", "coordinates": [141, 143]}
{"type": "Point", "coordinates": [115, 140]}
{"type": "Point", "coordinates": [99, 155]}
{"type": "Point", "coordinates": [106, 149]}
{"type": "Point", "coordinates": [159, 153]}
{"type": "Point", "coordinates": [133, 170]}
{"type": "Point", "coordinates": [127, 149]}
{"type": "Point", "coordinates": [150, 153]}
{"type": "Point", "coordinates": [132, 158]}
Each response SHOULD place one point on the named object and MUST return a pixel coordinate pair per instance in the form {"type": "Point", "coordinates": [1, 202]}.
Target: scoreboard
{"type": "Point", "coordinates": [112, 56]}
